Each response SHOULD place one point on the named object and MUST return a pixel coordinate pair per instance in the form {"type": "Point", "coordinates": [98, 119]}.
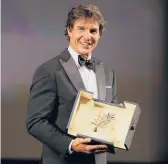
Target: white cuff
{"type": "Point", "coordinates": [70, 150]}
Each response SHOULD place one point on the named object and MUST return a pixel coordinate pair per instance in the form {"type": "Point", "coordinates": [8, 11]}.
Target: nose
{"type": "Point", "coordinates": [87, 35]}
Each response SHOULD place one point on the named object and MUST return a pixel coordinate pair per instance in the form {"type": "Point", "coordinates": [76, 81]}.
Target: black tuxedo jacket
{"type": "Point", "coordinates": [52, 94]}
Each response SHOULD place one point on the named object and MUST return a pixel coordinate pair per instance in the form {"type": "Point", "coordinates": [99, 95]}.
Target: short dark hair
{"type": "Point", "coordinates": [87, 11]}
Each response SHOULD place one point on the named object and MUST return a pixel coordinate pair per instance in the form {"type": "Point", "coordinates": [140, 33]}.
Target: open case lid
{"type": "Point", "coordinates": [107, 123]}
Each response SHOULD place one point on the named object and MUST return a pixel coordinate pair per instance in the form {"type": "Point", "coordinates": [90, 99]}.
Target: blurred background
{"type": "Point", "coordinates": [133, 44]}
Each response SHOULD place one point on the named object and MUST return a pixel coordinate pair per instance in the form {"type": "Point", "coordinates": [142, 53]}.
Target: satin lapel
{"type": "Point", "coordinates": [73, 73]}
{"type": "Point", "coordinates": [101, 83]}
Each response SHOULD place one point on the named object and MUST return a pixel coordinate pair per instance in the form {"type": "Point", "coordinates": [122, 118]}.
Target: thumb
{"type": "Point", "coordinates": [85, 140]}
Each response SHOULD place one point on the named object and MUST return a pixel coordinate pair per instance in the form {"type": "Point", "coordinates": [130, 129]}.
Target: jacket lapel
{"type": "Point", "coordinates": [71, 70]}
{"type": "Point", "coordinates": [101, 83]}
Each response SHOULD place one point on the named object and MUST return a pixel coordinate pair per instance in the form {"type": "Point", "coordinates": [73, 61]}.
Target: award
{"type": "Point", "coordinates": [103, 122]}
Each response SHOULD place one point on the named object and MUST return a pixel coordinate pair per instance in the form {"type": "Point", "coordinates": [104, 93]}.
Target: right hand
{"type": "Point", "coordinates": [81, 145]}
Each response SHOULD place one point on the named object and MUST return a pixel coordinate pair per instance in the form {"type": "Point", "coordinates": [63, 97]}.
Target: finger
{"type": "Point", "coordinates": [101, 146]}
{"type": "Point", "coordinates": [100, 151]}
{"type": "Point", "coordinates": [94, 147]}
{"type": "Point", "coordinates": [89, 147]}
{"type": "Point", "coordinates": [84, 140]}
{"type": "Point", "coordinates": [96, 151]}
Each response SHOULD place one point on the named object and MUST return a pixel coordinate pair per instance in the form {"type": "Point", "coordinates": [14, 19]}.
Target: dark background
{"type": "Point", "coordinates": [133, 44]}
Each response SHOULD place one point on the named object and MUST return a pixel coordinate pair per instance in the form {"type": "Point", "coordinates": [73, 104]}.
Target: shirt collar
{"type": "Point", "coordinates": [74, 55]}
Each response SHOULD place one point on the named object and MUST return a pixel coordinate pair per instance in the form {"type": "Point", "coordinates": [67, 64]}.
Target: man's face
{"type": "Point", "coordinates": [84, 36]}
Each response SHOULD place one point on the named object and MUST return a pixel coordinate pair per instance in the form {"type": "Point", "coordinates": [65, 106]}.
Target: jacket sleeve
{"type": "Point", "coordinates": [41, 106]}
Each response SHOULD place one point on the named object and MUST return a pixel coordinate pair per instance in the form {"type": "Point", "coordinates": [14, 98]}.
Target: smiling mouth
{"type": "Point", "coordinates": [85, 45]}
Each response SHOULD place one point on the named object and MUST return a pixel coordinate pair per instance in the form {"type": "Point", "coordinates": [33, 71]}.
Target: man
{"type": "Point", "coordinates": [56, 83]}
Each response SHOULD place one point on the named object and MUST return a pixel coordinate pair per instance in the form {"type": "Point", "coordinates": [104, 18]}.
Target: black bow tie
{"type": "Point", "coordinates": [90, 64]}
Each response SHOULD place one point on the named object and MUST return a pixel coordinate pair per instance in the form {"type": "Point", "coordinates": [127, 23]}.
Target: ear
{"type": "Point", "coordinates": [69, 30]}
{"type": "Point", "coordinates": [99, 37]}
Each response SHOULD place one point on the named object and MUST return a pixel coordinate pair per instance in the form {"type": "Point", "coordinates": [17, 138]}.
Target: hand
{"type": "Point", "coordinates": [81, 145]}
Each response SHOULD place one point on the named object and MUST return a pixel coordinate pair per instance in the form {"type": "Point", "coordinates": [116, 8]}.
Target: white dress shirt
{"type": "Point", "coordinates": [88, 76]}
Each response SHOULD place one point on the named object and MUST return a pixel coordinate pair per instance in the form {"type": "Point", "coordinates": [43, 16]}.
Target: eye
{"type": "Point", "coordinates": [81, 28]}
{"type": "Point", "coordinates": [93, 31]}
